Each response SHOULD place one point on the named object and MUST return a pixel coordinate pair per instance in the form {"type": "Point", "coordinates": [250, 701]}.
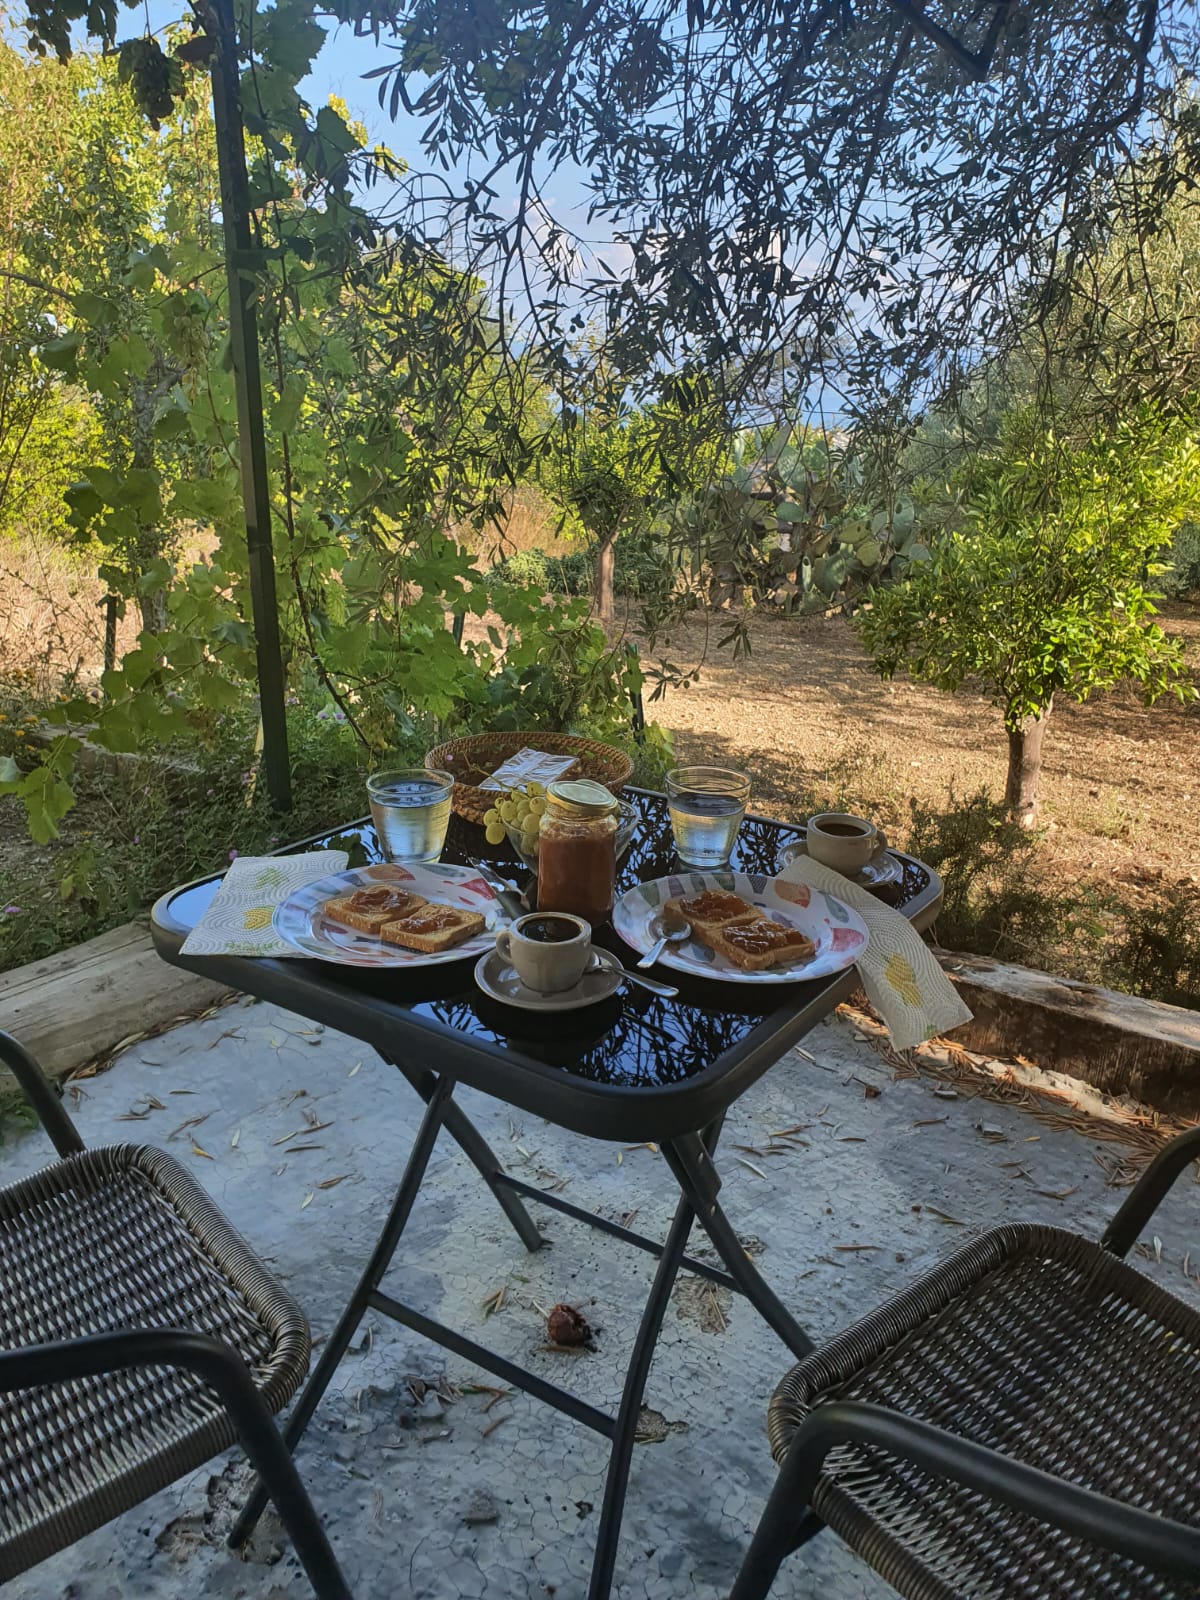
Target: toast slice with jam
{"type": "Point", "coordinates": [755, 943]}
{"type": "Point", "coordinates": [433, 928]}
{"type": "Point", "coordinates": [369, 910]}
{"type": "Point", "coordinates": [733, 928]}
{"type": "Point", "coordinates": [706, 912]}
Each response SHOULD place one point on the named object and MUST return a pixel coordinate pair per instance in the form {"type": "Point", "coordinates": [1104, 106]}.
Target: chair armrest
{"type": "Point", "coordinates": [1141, 1536]}
{"type": "Point", "coordinates": [33, 1366]}
{"type": "Point", "coordinates": [36, 1088]}
{"type": "Point", "coordinates": [1148, 1193]}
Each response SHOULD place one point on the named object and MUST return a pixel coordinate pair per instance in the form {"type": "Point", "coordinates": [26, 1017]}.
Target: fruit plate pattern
{"type": "Point", "coordinates": [300, 921]}
{"type": "Point", "coordinates": [839, 933]}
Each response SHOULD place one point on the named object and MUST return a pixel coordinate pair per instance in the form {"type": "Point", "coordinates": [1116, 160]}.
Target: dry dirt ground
{"type": "Point", "coordinates": [804, 714]}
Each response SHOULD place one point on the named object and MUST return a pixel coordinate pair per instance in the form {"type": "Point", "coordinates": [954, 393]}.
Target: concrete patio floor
{"type": "Point", "coordinates": [430, 1484]}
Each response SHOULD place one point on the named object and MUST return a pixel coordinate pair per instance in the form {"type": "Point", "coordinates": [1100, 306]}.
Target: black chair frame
{"type": "Point", "coordinates": [1151, 1540]}
{"type": "Point", "coordinates": [220, 1367]}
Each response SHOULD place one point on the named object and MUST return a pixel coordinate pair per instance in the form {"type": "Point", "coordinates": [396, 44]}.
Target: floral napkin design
{"type": "Point", "coordinates": [238, 922]}
{"type": "Point", "coordinates": [903, 982]}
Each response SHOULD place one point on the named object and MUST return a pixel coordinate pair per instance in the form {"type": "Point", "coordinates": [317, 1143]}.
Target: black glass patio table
{"type": "Point", "coordinates": [636, 1068]}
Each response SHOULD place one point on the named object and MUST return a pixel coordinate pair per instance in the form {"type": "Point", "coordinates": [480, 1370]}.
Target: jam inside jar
{"type": "Point", "coordinates": [577, 850]}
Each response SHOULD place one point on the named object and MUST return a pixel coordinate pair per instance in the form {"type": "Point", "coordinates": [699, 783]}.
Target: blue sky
{"type": "Point", "coordinates": [338, 71]}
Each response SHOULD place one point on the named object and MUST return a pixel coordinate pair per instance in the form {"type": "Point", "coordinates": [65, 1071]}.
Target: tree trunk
{"type": "Point", "coordinates": [153, 609]}
{"type": "Point", "coordinates": [602, 583]}
{"type": "Point", "coordinates": [1025, 767]}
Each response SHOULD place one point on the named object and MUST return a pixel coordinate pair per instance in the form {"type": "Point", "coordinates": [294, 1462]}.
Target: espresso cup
{"type": "Point", "coordinates": [549, 949]}
{"type": "Point", "coordinates": [845, 843]}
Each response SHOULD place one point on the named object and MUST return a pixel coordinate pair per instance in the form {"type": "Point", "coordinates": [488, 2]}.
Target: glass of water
{"type": "Point", "coordinates": [707, 805]}
{"type": "Point", "coordinates": [411, 809]}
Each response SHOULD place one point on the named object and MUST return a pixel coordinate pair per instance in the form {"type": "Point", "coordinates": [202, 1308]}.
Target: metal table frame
{"type": "Point", "coordinates": [684, 1118]}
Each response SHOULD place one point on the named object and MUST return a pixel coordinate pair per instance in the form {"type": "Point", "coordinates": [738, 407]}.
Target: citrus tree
{"type": "Point", "coordinates": [1046, 589]}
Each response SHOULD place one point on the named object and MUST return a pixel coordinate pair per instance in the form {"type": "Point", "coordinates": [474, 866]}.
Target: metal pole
{"type": "Point", "coordinates": [243, 338]}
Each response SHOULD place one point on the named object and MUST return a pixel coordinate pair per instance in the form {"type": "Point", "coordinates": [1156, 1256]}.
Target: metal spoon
{"type": "Point", "coordinates": [663, 938]}
{"type": "Point", "coordinates": [510, 901]}
{"type": "Point", "coordinates": [613, 965]}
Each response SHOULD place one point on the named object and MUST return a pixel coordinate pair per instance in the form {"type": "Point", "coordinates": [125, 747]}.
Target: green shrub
{"type": "Point", "coordinates": [1182, 576]}
{"type": "Point", "coordinates": [522, 569]}
{"type": "Point", "coordinates": [570, 574]}
{"type": "Point", "coordinates": [993, 905]}
{"type": "Point", "coordinates": [1158, 954]}
{"type": "Point", "coordinates": [642, 567]}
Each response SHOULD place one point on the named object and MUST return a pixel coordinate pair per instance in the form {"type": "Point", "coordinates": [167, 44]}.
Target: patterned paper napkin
{"type": "Point", "coordinates": [904, 983]}
{"type": "Point", "coordinates": [238, 922]}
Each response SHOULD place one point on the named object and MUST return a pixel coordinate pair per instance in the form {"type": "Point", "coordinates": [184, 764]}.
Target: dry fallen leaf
{"type": "Point", "coordinates": [192, 1122]}
{"type": "Point", "coordinates": [307, 1201]}
{"type": "Point", "coordinates": [944, 1216]}
{"type": "Point", "coordinates": [332, 1183]}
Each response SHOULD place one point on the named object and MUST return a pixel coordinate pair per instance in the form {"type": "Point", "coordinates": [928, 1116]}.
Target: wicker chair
{"type": "Point", "coordinates": [139, 1337]}
{"type": "Point", "coordinates": [1024, 1422]}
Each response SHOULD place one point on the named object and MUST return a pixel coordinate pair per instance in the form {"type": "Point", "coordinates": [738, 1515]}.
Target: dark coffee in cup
{"type": "Point", "coordinates": [550, 950]}
{"type": "Point", "coordinates": [549, 930]}
{"type": "Point", "coordinates": [844, 842]}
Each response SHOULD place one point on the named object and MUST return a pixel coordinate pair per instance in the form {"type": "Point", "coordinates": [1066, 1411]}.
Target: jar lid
{"type": "Point", "coordinates": [581, 797]}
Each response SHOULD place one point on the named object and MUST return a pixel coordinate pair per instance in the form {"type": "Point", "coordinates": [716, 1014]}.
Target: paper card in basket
{"type": "Point", "coordinates": [529, 764]}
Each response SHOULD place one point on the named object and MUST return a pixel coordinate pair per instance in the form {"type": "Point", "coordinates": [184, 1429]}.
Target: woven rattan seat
{"type": "Point", "coordinates": [1044, 1347]}
{"type": "Point", "coordinates": [122, 1238]}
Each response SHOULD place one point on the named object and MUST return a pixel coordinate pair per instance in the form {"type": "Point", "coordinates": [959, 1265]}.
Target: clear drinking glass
{"type": "Point", "coordinates": [707, 805]}
{"type": "Point", "coordinates": [411, 809]}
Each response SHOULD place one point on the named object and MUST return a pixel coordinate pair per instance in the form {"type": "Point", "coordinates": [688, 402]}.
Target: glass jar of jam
{"type": "Point", "coordinates": [577, 850]}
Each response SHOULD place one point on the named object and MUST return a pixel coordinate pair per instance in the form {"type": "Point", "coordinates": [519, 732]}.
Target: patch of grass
{"type": "Point", "coordinates": [1000, 902]}
{"type": "Point", "coordinates": [1110, 820]}
{"type": "Point", "coordinates": [144, 826]}
{"type": "Point", "coordinates": [862, 783]}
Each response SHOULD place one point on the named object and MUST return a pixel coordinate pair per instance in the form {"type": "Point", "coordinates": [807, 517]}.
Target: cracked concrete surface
{"type": "Point", "coordinates": [432, 1483]}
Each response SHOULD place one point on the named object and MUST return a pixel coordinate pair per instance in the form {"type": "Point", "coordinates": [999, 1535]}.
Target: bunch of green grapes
{"type": "Point", "coordinates": [520, 809]}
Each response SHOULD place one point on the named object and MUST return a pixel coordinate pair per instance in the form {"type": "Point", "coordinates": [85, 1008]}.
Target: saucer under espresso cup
{"type": "Point", "coordinates": [549, 950]}
{"type": "Point", "coordinates": [844, 842]}
{"type": "Point", "coordinates": [502, 982]}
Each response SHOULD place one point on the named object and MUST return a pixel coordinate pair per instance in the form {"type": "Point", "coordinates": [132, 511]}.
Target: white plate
{"type": "Point", "coordinates": [301, 922]}
{"type": "Point", "coordinates": [496, 977]}
{"type": "Point", "coordinates": [884, 869]}
{"type": "Point", "coordinates": [839, 934]}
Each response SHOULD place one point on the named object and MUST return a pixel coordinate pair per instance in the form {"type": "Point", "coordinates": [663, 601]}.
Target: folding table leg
{"type": "Point", "coordinates": [609, 1532]}
{"type": "Point", "coordinates": [480, 1154]}
{"type": "Point", "coordinates": [351, 1317]}
{"type": "Point", "coordinates": [690, 1159]}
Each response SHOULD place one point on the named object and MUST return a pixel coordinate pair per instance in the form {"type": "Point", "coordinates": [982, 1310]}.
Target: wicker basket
{"type": "Point", "coordinates": [469, 761]}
